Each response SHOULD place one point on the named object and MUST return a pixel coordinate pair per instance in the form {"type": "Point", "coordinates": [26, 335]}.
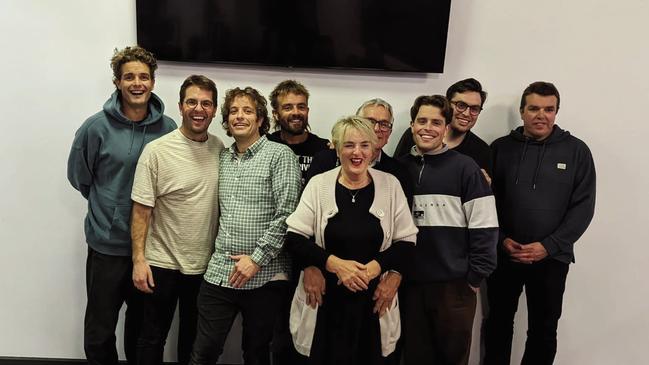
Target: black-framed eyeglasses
{"type": "Point", "coordinates": [462, 106]}
{"type": "Point", "coordinates": [193, 103]}
{"type": "Point", "coordinates": [384, 125]}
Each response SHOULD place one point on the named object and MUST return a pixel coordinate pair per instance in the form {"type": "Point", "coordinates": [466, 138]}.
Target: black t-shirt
{"type": "Point", "coordinates": [304, 151]}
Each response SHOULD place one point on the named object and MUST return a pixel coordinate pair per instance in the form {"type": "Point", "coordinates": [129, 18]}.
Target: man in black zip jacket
{"type": "Point", "coordinates": [544, 184]}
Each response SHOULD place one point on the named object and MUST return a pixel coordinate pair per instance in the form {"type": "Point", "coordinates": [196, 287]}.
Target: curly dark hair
{"type": "Point", "coordinates": [129, 54]}
{"type": "Point", "coordinates": [285, 87]}
{"type": "Point", "coordinates": [256, 98]}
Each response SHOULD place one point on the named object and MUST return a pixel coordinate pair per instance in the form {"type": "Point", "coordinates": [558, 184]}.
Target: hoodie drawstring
{"type": "Point", "coordinates": [132, 137]}
{"type": "Point", "coordinates": [130, 149]}
{"type": "Point", "coordinates": [520, 161]}
{"type": "Point", "coordinates": [538, 162]}
{"type": "Point", "coordinates": [143, 139]}
{"type": "Point", "coordinates": [538, 166]}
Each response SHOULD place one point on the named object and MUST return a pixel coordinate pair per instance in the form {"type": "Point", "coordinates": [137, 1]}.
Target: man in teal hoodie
{"type": "Point", "coordinates": [101, 166]}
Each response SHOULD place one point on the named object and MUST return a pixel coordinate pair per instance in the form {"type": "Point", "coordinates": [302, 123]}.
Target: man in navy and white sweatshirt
{"type": "Point", "coordinates": [456, 245]}
{"type": "Point", "coordinates": [544, 183]}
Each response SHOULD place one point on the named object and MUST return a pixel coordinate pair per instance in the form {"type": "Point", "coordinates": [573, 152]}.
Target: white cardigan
{"type": "Point", "coordinates": [316, 207]}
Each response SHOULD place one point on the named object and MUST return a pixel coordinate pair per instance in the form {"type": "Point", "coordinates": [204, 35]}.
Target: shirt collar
{"type": "Point", "coordinates": [252, 150]}
{"type": "Point", "coordinates": [415, 151]}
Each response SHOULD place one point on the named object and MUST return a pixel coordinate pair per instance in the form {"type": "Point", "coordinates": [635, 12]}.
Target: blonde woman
{"type": "Point", "coordinates": [353, 224]}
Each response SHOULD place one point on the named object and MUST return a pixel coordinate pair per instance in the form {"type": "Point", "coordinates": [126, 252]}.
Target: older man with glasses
{"type": "Point", "coordinates": [467, 99]}
{"type": "Point", "coordinates": [379, 112]}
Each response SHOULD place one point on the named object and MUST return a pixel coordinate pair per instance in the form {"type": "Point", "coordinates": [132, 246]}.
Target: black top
{"type": "Point", "coordinates": [472, 146]}
{"type": "Point", "coordinates": [327, 160]}
{"type": "Point", "coordinates": [352, 234]}
{"type": "Point", "coordinates": [304, 151]}
{"type": "Point", "coordinates": [545, 190]}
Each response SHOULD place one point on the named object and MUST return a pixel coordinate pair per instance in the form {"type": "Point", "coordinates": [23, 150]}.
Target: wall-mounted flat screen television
{"type": "Point", "coordinates": [392, 35]}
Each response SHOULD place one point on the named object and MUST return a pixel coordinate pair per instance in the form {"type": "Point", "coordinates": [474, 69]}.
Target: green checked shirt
{"type": "Point", "coordinates": [257, 192]}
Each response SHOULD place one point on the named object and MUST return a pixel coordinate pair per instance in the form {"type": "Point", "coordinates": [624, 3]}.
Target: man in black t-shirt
{"type": "Point", "coordinates": [290, 102]}
{"type": "Point", "coordinates": [467, 99]}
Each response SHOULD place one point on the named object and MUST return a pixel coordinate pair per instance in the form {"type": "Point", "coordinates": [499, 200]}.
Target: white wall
{"type": "Point", "coordinates": [55, 73]}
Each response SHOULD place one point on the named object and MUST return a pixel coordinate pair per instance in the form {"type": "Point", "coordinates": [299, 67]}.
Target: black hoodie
{"type": "Point", "coordinates": [545, 190]}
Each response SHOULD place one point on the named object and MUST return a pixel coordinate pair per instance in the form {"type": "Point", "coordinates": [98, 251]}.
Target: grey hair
{"type": "Point", "coordinates": [376, 102]}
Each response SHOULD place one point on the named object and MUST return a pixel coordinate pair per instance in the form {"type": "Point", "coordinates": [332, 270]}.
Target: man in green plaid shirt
{"type": "Point", "coordinates": [259, 186]}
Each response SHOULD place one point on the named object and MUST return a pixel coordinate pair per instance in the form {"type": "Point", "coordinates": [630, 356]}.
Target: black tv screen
{"type": "Point", "coordinates": [394, 35]}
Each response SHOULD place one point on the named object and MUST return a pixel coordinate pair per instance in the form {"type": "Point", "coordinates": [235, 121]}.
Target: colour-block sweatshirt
{"type": "Point", "coordinates": [545, 190]}
{"type": "Point", "coordinates": [102, 164]}
{"type": "Point", "coordinates": [455, 212]}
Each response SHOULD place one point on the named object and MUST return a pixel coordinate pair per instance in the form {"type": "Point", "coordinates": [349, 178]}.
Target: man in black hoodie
{"type": "Point", "coordinates": [544, 184]}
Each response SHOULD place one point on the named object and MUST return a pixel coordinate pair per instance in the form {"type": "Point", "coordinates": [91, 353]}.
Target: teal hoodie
{"type": "Point", "coordinates": [102, 164]}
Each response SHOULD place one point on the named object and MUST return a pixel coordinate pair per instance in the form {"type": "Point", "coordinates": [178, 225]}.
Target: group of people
{"type": "Point", "coordinates": [333, 252]}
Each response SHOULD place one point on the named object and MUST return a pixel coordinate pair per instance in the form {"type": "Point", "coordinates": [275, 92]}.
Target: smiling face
{"type": "Point", "coordinates": [355, 153]}
{"type": "Point", "coordinates": [538, 114]}
{"type": "Point", "coordinates": [292, 113]}
{"type": "Point", "coordinates": [463, 121]}
{"type": "Point", "coordinates": [135, 85]}
{"type": "Point", "coordinates": [377, 114]}
{"type": "Point", "coordinates": [197, 110]}
{"type": "Point", "coordinates": [428, 129]}
{"type": "Point", "coordinates": [243, 122]}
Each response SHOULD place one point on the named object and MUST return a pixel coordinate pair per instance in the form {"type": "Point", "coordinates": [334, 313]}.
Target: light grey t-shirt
{"type": "Point", "coordinates": [179, 178]}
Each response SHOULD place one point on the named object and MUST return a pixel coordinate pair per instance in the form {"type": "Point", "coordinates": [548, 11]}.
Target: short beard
{"type": "Point", "coordinates": [305, 127]}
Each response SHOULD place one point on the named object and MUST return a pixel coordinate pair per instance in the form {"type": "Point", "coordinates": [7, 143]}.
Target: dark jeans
{"type": "Point", "coordinates": [544, 283]}
{"type": "Point", "coordinates": [217, 308]}
{"type": "Point", "coordinates": [108, 286]}
{"type": "Point", "coordinates": [171, 287]}
{"type": "Point", "coordinates": [438, 322]}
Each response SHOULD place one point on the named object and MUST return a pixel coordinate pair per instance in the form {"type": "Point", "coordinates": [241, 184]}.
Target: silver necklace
{"type": "Point", "coordinates": [353, 195]}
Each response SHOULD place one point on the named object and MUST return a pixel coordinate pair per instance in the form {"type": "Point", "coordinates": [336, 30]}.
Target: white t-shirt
{"type": "Point", "coordinates": [179, 178]}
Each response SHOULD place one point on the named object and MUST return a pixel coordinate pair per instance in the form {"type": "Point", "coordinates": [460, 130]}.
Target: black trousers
{"type": "Point", "coordinates": [438, 322]}
{"type": "Point", "coordinates": [171, 287]}
{"type": "Point", "coordinates": [544, 283]}
{"type": "Point", "coordinates": [217, 308]}
{"type": "Point", "coordinates": [108, 286]}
